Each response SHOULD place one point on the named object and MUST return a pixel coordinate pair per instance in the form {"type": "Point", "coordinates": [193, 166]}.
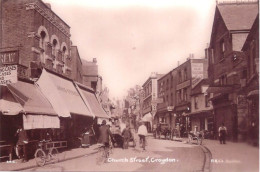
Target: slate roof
{"type": "Point", "coordinates": [238, 16]}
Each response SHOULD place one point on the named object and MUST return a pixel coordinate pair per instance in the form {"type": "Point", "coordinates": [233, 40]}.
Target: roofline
{"type": "Point", "coordinates": [53, 12]}
{"type": "Point", "coordinates": [77, 52]}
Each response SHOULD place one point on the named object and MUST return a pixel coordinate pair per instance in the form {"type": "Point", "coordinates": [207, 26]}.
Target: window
{"type": "Point", "coordinates": [185, 96]}
{"type": "Point", "coordinates": [178, 96]}
{"type": "Point", "coordinates": [196, 102]}
{"type": "Point", "coordinates": [185, 74]}
{"type": "Point", "coordinates": [207, 100]}
{"type": "Point", "coordinates": [42, 40]}
{"type": "Point", "coordinates": [167, 84]}
{"type": "Point", "coordinates": [54, 47]}
{"type": "Point", "coordinates": [223, 80]}
{"type": "Point", "coordinates": [64, 52]}
{"type": "Point", "coordinates": [180, 79]}
{"type": "Point", "coordinates": [222, 48]}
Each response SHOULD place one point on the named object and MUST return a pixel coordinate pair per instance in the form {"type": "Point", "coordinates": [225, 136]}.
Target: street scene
{"type": "Point", "coordinates": [129, 86]}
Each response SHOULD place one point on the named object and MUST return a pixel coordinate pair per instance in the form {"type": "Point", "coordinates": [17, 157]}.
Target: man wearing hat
{"type": "Point", "coordinates": [104, 133]}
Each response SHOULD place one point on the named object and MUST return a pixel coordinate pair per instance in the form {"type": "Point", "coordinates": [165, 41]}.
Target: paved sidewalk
{"type": "Point", "coordinates": [233, 156]}
{"type": "Point", "coordinates": [16, 165]}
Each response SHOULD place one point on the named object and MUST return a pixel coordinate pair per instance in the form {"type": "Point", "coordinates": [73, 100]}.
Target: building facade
{"type": "Point", "coordinates": [228, 67]}
{"type": "Point", "coordinates": [201, 115]}
{"type": "Point", "coordinates": [189, 74]}
{"type": "Point", "coordinates": [251, 49]}
{"type": "Point", "coordinates": [34, 37]}
{"type": "Point", "coordinates": [76, 64]}
{"type": "Point", "coordinates": [150, 89]}
{"type": "Point", "coordinates": [90, 76]}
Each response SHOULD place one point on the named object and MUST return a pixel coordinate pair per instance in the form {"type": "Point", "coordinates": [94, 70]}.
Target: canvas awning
{"type": "Point", "coordinates": [62, 94]}
{"type": "Point", "coordinates": [92, 103]}
{"type": "Point", "coordinates": [220, 89]}
{"type": "Point", "coordinates": [253, 93]}
{"type": "Point", "coordinates": [40, 122]}
{"type": "Point", "coordinates": [147, 117]}
{"type": "Point", "coordinates": [31, 98]}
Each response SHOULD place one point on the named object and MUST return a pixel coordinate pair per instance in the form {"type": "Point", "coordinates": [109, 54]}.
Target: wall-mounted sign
{"type": "Point", "coordinates": [196, 73]}
{"type": "Point", "coordinates": [9, 57]}
{"type": "Point", "coordinates": [8, 74]}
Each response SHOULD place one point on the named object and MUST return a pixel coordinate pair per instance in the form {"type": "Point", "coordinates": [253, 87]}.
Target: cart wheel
{"type": "Point", "coordinates": [54, 155]}
{"type": "Point", "coordinates": [199, 141]}
{"type": "Point", "coordinates": [40, 157]}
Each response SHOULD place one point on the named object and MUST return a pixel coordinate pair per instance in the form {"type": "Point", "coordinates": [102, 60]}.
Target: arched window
{"type": "Point", "coordinates": [42, 39]}
{"type": "Point", "coordinates": [54, 47]}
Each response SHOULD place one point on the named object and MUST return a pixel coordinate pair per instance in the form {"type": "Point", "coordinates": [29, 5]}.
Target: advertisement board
{"type": "Point", "coordinates": [8, 74]}
{"type": "Point", "coordinates": [196, 73]}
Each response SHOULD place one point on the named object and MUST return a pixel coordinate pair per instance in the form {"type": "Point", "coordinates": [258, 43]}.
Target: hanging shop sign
{"type": "Point", "coordinates": [8, 74]}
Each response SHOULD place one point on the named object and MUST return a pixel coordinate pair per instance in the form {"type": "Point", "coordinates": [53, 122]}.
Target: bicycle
{"type": "Point", "coordinates": [103, 153]}
{"type": "Point", "coordinates": [44, 154]}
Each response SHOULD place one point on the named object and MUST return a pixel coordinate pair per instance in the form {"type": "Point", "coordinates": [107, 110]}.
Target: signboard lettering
{"type": "Point", "coordinates": [196, 73]}
{"type": "Point", "coordinates": [10, 57]}
{"type": "Point", "coordinates": [8, 74]}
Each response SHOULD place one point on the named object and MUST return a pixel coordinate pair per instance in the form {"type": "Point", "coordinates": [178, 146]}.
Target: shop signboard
{"type": "Point", "coordinates": [8, 74]}
{"type": "Point", "coordinates": [196, 73]}
{"type": "Point", "coordinates": [9, 57]}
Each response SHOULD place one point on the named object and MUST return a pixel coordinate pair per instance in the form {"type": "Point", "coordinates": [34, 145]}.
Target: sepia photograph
{"type": "Point", "coordinates": [118, 85]}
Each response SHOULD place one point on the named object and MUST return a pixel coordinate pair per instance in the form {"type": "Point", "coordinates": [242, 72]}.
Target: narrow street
{"type": "Point", "coordinates": [181, 157]}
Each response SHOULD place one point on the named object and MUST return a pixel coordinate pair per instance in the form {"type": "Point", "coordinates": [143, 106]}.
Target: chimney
{"type": "Point", "coordinates": [48, 5]}
{"type": "Point", "coordinates": [94, 60]}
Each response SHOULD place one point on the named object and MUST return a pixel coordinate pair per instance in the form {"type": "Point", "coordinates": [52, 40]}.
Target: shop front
{"type": "Point", "coordinates": [182, 119]}
{"type": "Point", "coordinates": [68, 104]}
{"type": "Point", "coordinates": [23, 104]}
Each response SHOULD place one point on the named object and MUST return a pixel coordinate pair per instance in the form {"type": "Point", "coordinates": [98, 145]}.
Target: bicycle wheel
{"type": "Point", "coordinates": [40, 157]}
{"type": "Point", "coordinates": [100, 155]}
{"type": "Point", "coordinates": [54, 155]}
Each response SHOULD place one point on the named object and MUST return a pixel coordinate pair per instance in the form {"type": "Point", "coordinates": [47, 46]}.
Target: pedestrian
{"type": "Point", "coordinates": [142, 132]}
{"type": "Point", "coordinates": [126, 136]}
{"type": "Point", "coordinates": [85, 141]}
{"type": "Point", "coordinates": [222, 133]}
{"type": "Point", "coordinates": [22, 143]}
{"type": "Point", "coordinates": [104, 134]}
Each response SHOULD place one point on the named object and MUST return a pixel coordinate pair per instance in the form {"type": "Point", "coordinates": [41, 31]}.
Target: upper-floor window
{"type": "Point", "coordinates": [178, 93]}
{"type": "Point", "coordinates": [167, 84]}
{"type": "Point", "coordinates": [223, 80]}
{"type": "Point", "coordinates": [207, 100]}
{"type": "Point", "coordinates": [54, 47]}
{"type": "Point", "coordinates": [222, 48]}
{"type": "Point", "coordinates": [180, 77]}
{"type": "Point", "coordinates": [185, 95]}
{"type": "Point", "coordinates": [196, 102]}
{"type": "Point", "coordinates": [64, 53]}
{"type": "Point", "coordinates": [42, 40]}
{"type": "Point", "coordinates": [185, 76]}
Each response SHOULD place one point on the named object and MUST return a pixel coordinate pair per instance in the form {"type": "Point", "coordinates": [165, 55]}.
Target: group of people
{"type": "Point", "coordinates": [105, 135]}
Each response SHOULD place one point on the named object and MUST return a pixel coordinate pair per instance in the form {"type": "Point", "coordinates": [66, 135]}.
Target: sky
{"type": "Point", "coordinates": [132, 39]}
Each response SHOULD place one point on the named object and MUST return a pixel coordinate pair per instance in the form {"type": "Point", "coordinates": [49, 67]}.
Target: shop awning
{"type": "Point", "coordinates": [31, 98]}
{"type": "Point", "coordinates": [40, 122]}
{"type": "Point", "coordinates": [201, 112]}
{"type": "Point", "coordinates": [92, 103]}
{"type": "Point", "coordinates": [62, 94]}
{"type": "Point", "coordinates": [220, 89]}
{"type": "Point", "coordinates": [147, 117]}
{"type": "Point", "coordinates": [253, 93]}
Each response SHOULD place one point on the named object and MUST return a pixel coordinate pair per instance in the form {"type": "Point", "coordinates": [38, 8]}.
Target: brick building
{"type": "Point", "coordinates": [227, 65]}
{"type": "Point", "coordinates": [150, 94]}
{"type": "Point", "coordinates": [76, 65]}
{"type": "Point", "coordinates": [251, 49]}
{"type": "Point", "coordinates": [33, 37]}
{"type": "Point", "coordinates": [189, 74]}
{"type": "Point", "coordinates": [201, 114]}
{"type": "Point", "coordinates": [90, 75]}
{"type": "Point", "coordinates": [166, 92]}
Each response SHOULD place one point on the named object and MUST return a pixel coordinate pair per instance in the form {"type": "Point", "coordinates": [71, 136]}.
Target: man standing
{"type": "Point", "coordinates": [222, 134]}
{"type": "Point", "coordinates": [22, 143]}
{"type": "Point", "coordinates": [126, 135]}
{"type": "Point", "coordinates": [142, 132]}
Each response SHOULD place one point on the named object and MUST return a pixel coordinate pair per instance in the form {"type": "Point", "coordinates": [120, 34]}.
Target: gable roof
{"type": "Point", "coordinates": [238, 16]}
